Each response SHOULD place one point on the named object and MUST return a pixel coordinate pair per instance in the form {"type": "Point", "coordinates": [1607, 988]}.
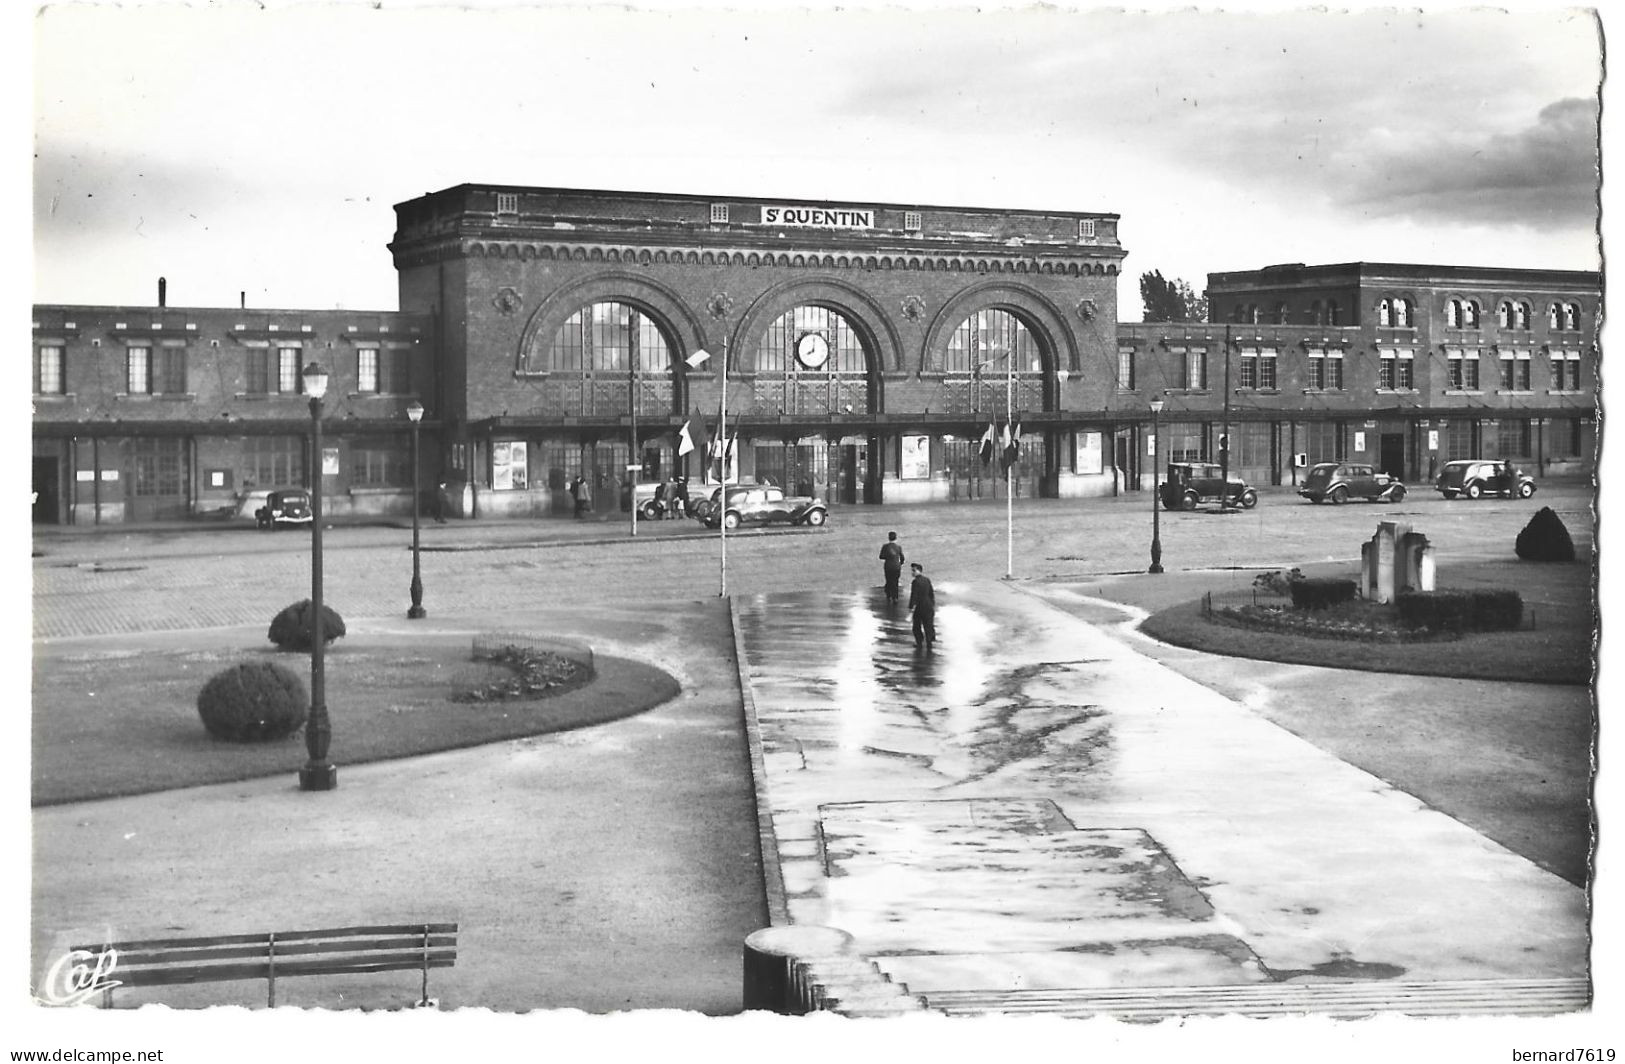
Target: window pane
{"type": "Point", "coordinates": [50, 370]}
{"type": "Point", "coordinates": [138, 380]}
{"type": "Point", "coordinates": [287, 371]}
{"type": "Point", "coordinates": [366, 371]}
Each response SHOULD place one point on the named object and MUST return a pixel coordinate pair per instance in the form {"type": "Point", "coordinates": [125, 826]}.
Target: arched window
{"type": "Point", "coordinates": [1334, 313]}
{"type": "Point", "coordinates": [1385, 312]}
{"type": "Point", "coordinates": [1402, 313]}
{"type": "Point", "coordinates": [1280, 314]}
{"type": "Point", "coordinates": [1452, 314]}
{"type": "Point", "coordinates": [810, 360]}
{"type": "Point", "coordinates": [994, 351]}
{"type": "Point", "coordinates": [1503, 314]}
{"type": "Point", "coordinates": [1255, 316]}
{"type": "Point", "coordinates": [1469, 314]}
{"type": "Point", "coordinates": [1554, 317]}
{"type": "Point", "coordinates": [1571, 316]}
{"type": "Point", "coordinates": [593, 356]}
{"type": "Point", "coordinates": [1520, 315]}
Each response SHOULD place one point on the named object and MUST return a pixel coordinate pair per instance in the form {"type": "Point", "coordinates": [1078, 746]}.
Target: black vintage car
{"type": "Point", "coordinates": [290, 506]}
{"type": "Point", "coordinates": [1338, 482]}
{"type": "Point", "coordinates": [1477, 477]}
{"type": "Point", "coordinates": [1190, 484]}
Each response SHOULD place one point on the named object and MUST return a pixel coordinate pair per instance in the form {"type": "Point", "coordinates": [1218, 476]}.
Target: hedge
{"type": "Point", "coordinates": [1489, 610]}
{"type": "Point", "coordinates": [1322, 592]}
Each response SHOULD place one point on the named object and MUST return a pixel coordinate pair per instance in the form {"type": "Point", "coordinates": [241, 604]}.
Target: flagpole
{"type": "Point", "coordinates": [722, 473]}
{"type": "Point", "coordinates": [1009, 470]}
{"type": "Point", "coordinates": [633, 460]}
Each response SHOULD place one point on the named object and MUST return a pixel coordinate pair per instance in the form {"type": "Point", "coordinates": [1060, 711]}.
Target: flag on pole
{"type": "Point", "coordinates": [987, 444]}
{"type": "Point", "coordinates": [692, 437]}
{"type": "Point", "coordinates": [1012, 443]}
{"type": "Point", "coordinates": [698, 358]}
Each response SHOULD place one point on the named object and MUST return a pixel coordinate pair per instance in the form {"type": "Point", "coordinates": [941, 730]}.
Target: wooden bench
{"type": "Point", "coordinates": [279, 954]}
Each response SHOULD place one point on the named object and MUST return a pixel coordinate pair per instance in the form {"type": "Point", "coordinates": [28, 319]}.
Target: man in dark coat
{"type": "Point", "coordinates": [891, 554]}
{"type": "Point", "coordinates": [922, 600]}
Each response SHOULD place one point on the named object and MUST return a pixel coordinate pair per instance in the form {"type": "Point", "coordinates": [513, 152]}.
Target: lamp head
{"type": "Point", "coordinates": [1156, 405]}
{"type": "Point", "coordinates": [414, 413]}
{"type": "Point", "coordinates": [315, 380]}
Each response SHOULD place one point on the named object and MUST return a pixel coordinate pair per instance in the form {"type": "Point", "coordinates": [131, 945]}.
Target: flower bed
{"type": "Point", "coordinates": [536, 674]}
{"type": "Point", "coordinates": [1361, 622]}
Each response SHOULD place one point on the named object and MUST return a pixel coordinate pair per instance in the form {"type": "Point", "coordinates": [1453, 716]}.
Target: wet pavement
{"type": "Point", "coordinates": [1033, 805]}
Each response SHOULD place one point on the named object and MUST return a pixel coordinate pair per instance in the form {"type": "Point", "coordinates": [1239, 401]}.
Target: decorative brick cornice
{"type": "Point", "coordinates": [929, 260]}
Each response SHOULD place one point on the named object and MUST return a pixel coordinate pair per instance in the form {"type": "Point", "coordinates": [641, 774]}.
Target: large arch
{"type": "Point", "coordinates": [873, 325]}
{"type": "Point", "coordinates": [1057, 340]}
{"type": "Point", "coordinates": [661, 304]}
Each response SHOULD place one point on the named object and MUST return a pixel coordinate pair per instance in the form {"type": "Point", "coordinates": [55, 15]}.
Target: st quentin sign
{"type": "Point", "coordinates": [819, 217]}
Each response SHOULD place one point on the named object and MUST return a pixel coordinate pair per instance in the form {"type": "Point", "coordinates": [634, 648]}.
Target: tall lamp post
{"type": "Point", "coordinates": [1156, 507]}
{"type": "Point", "coordinates": [416, 612]}
{"type": "Point", "coordinates": [318, 773]}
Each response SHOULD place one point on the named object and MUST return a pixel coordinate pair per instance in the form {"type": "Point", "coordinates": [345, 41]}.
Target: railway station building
{"type": "Point", "coordinates": [857, 351]}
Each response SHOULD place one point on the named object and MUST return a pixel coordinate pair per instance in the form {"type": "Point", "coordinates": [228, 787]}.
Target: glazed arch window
{"type": "Point", "coordinates": [1385, 312]}
{"type": "Point", "coordinates": [598, 354]}
{"type": "Point", "coordinates": [1281, 313]}
{"type": "Point", "coordinates": [1503, 314]}
{"type": "Point", "coordinates": [48, 375]}
{"type": "Point", "coordinates": [1571, 317]}
{"type": "Point", "coordinates": [1520, 315]}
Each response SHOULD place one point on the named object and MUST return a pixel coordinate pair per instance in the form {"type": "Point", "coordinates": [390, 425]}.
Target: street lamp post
{"type": "Point", "coordinates": [414, 414]}
{"type": "Point", "coordinates": [634, 460]}
{"type": "Point", "coordinates": [318, 773]}
{"type": "Point", "coordinates": [1156, 508]}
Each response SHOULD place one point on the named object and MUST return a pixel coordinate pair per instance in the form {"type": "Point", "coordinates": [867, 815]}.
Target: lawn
{"type": "Point", "coordinates": [1553, 646]}
{"type": "Point", "coordinates": [118, 722]}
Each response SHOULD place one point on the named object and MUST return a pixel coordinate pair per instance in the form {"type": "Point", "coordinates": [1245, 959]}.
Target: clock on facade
{"type": "Point", "coordinates": [813, 350]}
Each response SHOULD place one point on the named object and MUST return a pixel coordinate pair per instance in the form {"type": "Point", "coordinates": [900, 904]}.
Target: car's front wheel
{"type": "Point", "coordinates": [1474, 491]}
{"type": "Point", "coordinates": [730, 519]}
{"type": "Point", "coordinates": [816, 517]}
{"type": "Point", "coordinates": [1188, 500]}
{"type": "Point", "coordinates": [1249, 499]}
{"type": "Point", "coordinates": [1525, 490]}
{"type": "Point", "coordinates": [1399, 493]}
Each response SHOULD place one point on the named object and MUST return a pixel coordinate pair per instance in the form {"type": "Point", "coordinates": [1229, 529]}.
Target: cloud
{"type": "Point", "coordinates": [1544, 174]}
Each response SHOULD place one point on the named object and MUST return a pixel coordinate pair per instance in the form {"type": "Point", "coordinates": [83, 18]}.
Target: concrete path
{"type": "Point", "coordinates": [1034, 805]}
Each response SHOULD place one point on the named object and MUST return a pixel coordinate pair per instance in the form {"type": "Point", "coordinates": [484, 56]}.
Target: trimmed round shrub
{"type": "Point", "coordinates": [292, 628]}
{"type": "Point", "coordinates": [1545, 539]}
{"type": "Point", "coordinates": [256, 702]}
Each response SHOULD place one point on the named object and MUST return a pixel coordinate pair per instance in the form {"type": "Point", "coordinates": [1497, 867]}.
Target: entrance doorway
{"type": "Point", "coordinates": [1391, 454]}
{"type": "Point", "coordinates": [47, 491]}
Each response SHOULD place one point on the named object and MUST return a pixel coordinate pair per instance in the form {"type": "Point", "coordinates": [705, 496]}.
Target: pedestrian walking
{"type": "Point", "coordinates": [582, 491]}
{"type": "Point", "coordinates": [679, 498]}
{"type": "Point", "coordinates": [891, 557]}
{"type": "Point", "coordinates": [922, 600]}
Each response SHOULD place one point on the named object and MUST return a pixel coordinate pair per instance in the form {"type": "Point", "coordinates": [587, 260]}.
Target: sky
{"type": "Point", "coordinates": [256, 150]}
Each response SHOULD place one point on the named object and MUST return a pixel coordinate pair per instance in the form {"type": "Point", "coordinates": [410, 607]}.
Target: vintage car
{"type": "Point", "coordinates": [1338, 482]}
{"type": "Point", "coordinates": [763, 505]}
{"type": "Point", "coordinates": [1191, 484]}
{"type": "Point", "coordinates": [290, 506]}
{"type": "Point", "coordinates": [1475, 477]}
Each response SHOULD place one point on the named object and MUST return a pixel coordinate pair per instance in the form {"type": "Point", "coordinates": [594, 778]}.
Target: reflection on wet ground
{"type": "Point", "coordinates": [1032, 805]}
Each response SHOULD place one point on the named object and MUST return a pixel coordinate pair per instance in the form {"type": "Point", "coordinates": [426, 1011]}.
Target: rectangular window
{"type": "Point", "coordinates": [272, 462]}
{"type": "Point", "coordinates": [366, 369]}
{"type": "Point", "coordinates": [1387, 374]}
{"type": "Point", "coordinates": [1513, 437]}
{"type": "Point", "coordinates": [395, 372]}
{"type": "Point", "coordinates": [719, 212]}
{"type": "Point", "coordinates": [1186, 441]}
{"type": "Point", "coordinates": [379, 463]}
{"type": "Point", "coordinates": [1524, 368]}
{"type": "Point", "coordinates": [1508, 372]}
{"type": "Point", "coordinates": [1334, 370]}
{"type": "Point", "coordinates": [1086, 229]}
{"type": "Point", "coordinates": [1463, 365]}
{"type": "Point", "coordinates": [911, 221]}
{"type": "Point", "coordinates": [169, 377]}
{"type": "Point", "coordinates": [256, 374]}
{"type": "Point", "coordinates": [1249, 367]}
{"type": "Point", "coordinates": [507, 203]}
{"type": "Point", "coordinates": [508, 466]}
{"type": "Point", "coordinates": [1322, 441]}
{"type": "Point", "coordinates": [1125, 368]}
{"type": "Point", "coordinates": [1195, 375]}
{"type": "Point", "coordinates": [48, 377]}
{"type": "Point", "coordinates": [288, 381]}
{"type": "Point", "coordinates": [1317, 369]}
{"type": "Point", "coordinates": [1267, 361]}
{"type": "Point", "coordinates": [138, 371]}
{"type": "Point", "coordinates": [1461, 439]}
{"type": "Point", "coordinates": [1573, 383]}
{"type": "Point", "coordinates": [1406, 378]}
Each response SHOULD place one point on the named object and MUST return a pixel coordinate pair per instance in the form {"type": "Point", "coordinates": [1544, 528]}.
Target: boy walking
{"type": "Point", "coordinates": [891, 555]}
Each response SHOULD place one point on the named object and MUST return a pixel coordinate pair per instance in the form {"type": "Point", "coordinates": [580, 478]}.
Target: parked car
{"type": "Point", "coordinates": [1190, 484]}
{"type": "Point", "coordinates": [291, 506]}
{"type": "Point", "coordinates": [1338, 482]}
{"type": "Point", "coordinates": [1476, 477]}
{"type": "Point", "coordinates": [762, 505]}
